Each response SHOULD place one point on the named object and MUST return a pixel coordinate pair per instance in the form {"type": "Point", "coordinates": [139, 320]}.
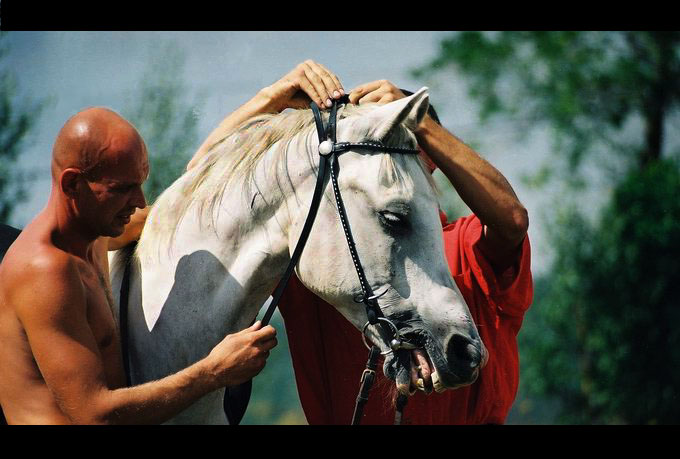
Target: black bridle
{"type": "Point", "coordinates": [329, 149]}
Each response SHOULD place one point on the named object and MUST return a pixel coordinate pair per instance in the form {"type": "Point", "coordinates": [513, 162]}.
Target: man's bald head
{"type": "Point", "coordinates": [93, 138]}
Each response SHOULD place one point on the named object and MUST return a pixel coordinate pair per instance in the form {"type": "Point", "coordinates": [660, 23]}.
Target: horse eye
{"type": "Point", "coordinates": [393, 220]}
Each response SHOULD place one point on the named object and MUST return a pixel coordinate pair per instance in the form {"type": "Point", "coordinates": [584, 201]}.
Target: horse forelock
{"type": "Point", "coordinates": [233, 160]}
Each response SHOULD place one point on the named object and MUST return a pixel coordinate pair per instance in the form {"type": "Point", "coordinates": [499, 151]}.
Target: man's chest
{"type": "Point", "coordinates": [100, 308]}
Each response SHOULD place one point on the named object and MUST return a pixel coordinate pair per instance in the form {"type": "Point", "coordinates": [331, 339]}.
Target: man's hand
{"type": "Point", "coordinates": [380, 91]}
{"type": "Point", "coordinates": [306, 82]}
{"type": "Point", "coordinates": [241, 356]}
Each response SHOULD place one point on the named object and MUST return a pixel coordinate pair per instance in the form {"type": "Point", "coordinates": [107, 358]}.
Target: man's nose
{"type": "Point", "coordinates": [138, 199]}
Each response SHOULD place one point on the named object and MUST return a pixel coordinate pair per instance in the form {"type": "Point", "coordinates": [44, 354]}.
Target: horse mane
{"type": "Point", "coordinates": [233, 160]}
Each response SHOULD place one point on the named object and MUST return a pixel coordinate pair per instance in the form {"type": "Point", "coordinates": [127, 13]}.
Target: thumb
{"type": "Point", "coordinates": [256, 326]}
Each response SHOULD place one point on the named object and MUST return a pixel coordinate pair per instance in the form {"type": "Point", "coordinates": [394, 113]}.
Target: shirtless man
{"type": "Point", "coordinates": [60, 356]}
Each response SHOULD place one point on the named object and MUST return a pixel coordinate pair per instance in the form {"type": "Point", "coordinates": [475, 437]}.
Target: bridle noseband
{"type": "Point", "coordinates": [329, 149]}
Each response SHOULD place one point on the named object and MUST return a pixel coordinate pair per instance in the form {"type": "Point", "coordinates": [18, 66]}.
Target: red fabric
{"type": "Point", "coordinates": [329, 356]}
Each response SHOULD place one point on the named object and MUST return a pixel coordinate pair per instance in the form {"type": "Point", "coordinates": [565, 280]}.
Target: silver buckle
{"type": "Point", "coordinates": [363, 375]}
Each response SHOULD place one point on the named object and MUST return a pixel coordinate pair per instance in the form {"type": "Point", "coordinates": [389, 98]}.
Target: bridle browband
{"type": "Point", "coordinates": [329, 149]}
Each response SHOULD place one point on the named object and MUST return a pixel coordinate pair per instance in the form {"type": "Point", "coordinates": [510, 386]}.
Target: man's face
{"type": "Point", "coordinates": [113, 190]}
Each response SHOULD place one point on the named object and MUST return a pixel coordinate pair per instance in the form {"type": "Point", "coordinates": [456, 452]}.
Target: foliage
{"type": "Point", "coordinates": [603, 335]}
{"type": "Point", "coordinates": [637, 256]}
{"type": "Point", "coordinates": [165, 117]}
{"type": "Point", "coordinates": [18, 117]}
{"type": "Point", "coordinates": [586, 87]}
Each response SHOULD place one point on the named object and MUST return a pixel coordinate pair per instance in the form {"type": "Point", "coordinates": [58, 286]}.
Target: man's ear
{"type": "Point", "coordinates": [68, 181]}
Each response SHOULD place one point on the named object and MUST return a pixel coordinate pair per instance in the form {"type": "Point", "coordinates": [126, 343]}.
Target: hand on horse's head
{"type": "Point", "coordinates": [380, 91]}
{"type": "Point", "coordinates": [308, 81]}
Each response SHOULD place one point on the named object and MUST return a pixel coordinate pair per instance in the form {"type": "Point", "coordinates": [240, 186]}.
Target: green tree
{"type": "Point", "coordinates": [165, 113]}
{"type": "Point", "coordinates": [18, 117]}
{"type": "Point", "coordinates": [633, 298]}
{"type": "Point", "coordinates": [599, 338]}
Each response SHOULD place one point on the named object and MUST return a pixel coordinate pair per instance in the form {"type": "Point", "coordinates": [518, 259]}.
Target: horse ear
{"type": "Point", "coordinates": [409, 110]}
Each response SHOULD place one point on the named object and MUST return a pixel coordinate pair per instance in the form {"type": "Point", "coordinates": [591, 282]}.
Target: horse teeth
{"type": "Point", "coordinates": [436, 383]}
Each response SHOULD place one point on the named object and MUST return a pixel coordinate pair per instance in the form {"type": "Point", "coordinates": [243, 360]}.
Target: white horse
{"type": "Point", "coordinates": [217, 241]}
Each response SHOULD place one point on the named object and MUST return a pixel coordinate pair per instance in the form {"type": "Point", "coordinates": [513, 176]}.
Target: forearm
{"type": "Point", "coordinates": [480, 185]}
{"type": "Point", "coordinates": [157, 401]}
{"type": "Point", "coordinates": [260, 104]}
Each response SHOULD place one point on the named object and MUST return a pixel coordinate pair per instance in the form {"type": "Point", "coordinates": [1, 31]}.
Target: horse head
{"type": "Point", "coordinates": [218, 240]}
{"type": "Point", "coordinates": [393, 215]}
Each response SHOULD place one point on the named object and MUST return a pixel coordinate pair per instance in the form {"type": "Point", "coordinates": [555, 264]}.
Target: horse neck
{"type": "Point", "coordinates": [254, 222]}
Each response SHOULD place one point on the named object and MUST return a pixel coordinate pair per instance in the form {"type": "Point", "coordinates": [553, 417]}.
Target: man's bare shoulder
{"type": "Point", "coordinates": [37, 273]}
{"type": "Point", "coordinates": [34, 255]}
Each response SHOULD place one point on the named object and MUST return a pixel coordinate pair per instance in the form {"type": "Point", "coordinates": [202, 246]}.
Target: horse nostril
{"type": "Point", "coordinates": [464, 349]}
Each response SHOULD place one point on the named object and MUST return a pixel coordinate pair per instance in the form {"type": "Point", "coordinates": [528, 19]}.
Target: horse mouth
{"type": "Point", "coordinates": [426, 377]}
{"type": "Point", "coordinates": [425, 368]}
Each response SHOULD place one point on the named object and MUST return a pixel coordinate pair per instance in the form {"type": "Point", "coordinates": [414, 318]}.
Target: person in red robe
{"type": "Point", "coordinates": [490, 259]}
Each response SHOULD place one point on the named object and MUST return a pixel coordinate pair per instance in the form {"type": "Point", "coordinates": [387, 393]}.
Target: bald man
{"type": "Point", "coordinates": [60, 359]}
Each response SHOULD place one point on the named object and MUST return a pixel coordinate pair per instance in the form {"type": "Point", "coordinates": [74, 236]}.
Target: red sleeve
{"type": "Point", "coordinates": [510, 291]}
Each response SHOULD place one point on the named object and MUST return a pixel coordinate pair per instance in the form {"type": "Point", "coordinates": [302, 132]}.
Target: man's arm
{"type": "Point", "coordinates": [53, 313]}
{"type": "Point", "coordinates": [480, 185]}
{"type": "Point", "coordinates": [306, 82]}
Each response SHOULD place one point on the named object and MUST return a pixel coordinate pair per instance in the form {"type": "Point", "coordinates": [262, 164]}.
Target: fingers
{"type": "Point", "coordinates": [307, 81]}
{"type": "Point", "coordinates": [269, 345]}
{"type": "Point", "coordinates": [265, 339]}
{"type": "Point", "coordinates": [320, 84]}
{"type": "Point", "coordinates": [267, 332]}
{"type": "Point", "coordinates": [336, 86]}
{"type": "Point", "coordinates": [360, 91]}
{"type": "Point", "coordinates": [380, 91]}
{"type": "Point", "coordinates": [381, 95]}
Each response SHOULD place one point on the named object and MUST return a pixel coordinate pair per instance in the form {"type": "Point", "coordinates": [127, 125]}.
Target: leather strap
{"type": "Point", "coordinates": [341, 147]}
{"type": "Point", "coordinates": [123, 312]}
{"type": "Point", "coordinates": [367, 380]}
{"type": "Point", "coordinates": [311, 215]}
{"type": "Point", "coordinates": [399, 408]}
